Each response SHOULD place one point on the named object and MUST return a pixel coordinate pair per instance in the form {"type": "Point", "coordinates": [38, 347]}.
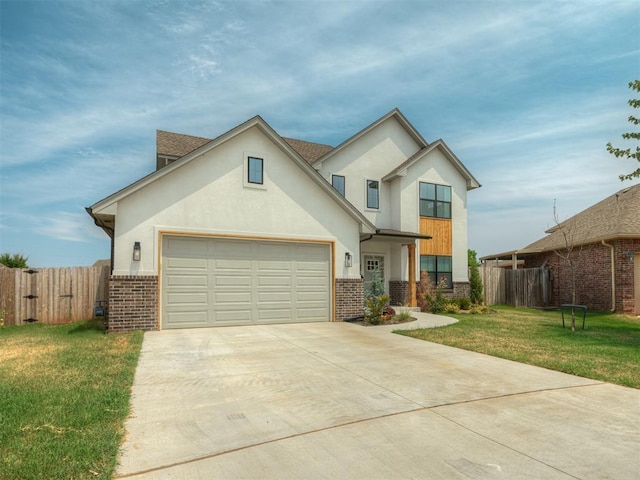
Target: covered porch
{"type": "Point", "coordinates": [391, 255]}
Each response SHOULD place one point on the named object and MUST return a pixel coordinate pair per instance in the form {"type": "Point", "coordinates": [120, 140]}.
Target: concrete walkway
{"type": "Point", "coordinates": [341, 401]}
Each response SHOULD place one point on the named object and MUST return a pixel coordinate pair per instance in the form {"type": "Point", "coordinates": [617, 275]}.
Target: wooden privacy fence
{"type": "Point", "coordinates": [526, 287]}
{"type": "Point", "coordinates": [51, 295]}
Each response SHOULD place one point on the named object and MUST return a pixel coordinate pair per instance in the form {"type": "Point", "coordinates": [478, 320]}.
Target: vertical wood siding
{"type": "Point", "coordinates": [59, 295]}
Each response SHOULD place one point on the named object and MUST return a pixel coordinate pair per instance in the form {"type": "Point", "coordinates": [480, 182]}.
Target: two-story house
{"type": "Point", "coordinates": [252, 228]}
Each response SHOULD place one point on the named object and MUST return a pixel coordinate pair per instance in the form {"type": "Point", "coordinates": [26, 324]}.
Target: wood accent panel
{"type": "Point", "coordinates": [441, 231]}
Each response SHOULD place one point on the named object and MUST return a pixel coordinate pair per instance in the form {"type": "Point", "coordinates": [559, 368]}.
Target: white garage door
{"type": "Point", "coordinates": [209, 282]}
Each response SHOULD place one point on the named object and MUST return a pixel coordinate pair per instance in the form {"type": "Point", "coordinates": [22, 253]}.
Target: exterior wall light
{"type": "Point", "coordinates": [629, 255]}
{"type": "Point", "coordinates": [348, 259]}
{"type": "Point", "coordinates": [137, 252]}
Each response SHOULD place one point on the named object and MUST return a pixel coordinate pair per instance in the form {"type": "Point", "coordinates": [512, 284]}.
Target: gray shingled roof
{"type": "Point", "coordinates": [308, 150]}
{"type": "Point", "coordinates": [178, 145]}
{"type": "Point", "coordinates": [614, 217]}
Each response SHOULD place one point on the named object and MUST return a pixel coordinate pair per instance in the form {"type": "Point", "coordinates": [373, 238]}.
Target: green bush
{"type": "Point", "coordinates": [463, 302]}
{"type": "Point", "coordinates": [403, 315]}
{"type": "Point", "coordinates": [451, 307]}
{"type": "Point", "coordinates": [374, 307]}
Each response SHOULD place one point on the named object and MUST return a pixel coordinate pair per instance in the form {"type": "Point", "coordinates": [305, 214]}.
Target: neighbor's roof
{"type": "Point", "coordinates": [178, 145]}
{"type": "Point", "coordinates": [614, 217]}
{"type": "Point", "coordinates": [617, 216]}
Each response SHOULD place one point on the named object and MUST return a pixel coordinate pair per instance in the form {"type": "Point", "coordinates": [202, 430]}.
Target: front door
{"type": "Point", "coordinates": [373, 266]}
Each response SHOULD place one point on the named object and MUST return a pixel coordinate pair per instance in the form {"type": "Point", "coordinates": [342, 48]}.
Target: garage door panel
{"type": "Point", "coordinates": [232, 281]}
{"type": "Point", "coordinates": [235, 317]}
{"type": "Point", "coordinates": [187, 281]}
{"type": "Point", "coordinates": [232, 265]}
{"type": "Point", "coordinates": [233, 297]}
{"type": "Point", "coordinates": [273, 281]}
{"type": "Point", "coordinates": [187, 247]}
{"type": "Point", "coordinates": [274, 296]}
{"type": "Point", "coordinates": [312, 313]}
{"type": "Point", "coordinates": [186, 319]}
{"type": "Point", "coordinates": [191, 298]}
{"type": "Point", "coordinates": [244, 282]}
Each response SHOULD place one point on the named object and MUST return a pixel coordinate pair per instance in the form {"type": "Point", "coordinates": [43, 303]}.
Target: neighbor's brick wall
{"type": "Point", "coordinates": [133, 303]}
{"type": "Point", "coordinates": [349, 298]}
{"type": "Point", "coordinates": [593, 275]}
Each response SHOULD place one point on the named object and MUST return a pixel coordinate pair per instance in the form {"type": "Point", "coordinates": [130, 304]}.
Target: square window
{"type": "Point", "coordinates": [439, 269]}
{"type": "Point", "coordinates": [373, 195]}
{"type": "Point", "coordinates": [435, 200]}
{"type": "Point", "coordinates": [255, 170]}
{"type": "Point", "coordinates": [338, 183]}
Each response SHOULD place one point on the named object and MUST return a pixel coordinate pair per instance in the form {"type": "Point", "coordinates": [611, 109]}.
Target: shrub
{"type": "Point", "coordinates": [376, 288]}
{"type": "Point", "coordinates": [463, 302]}
{"type": "Point", "coordinates": [451, 307]}
{"type": "Point", "coordinates": [425, 292]}
{"type": "Point", "coordinates": [374, 307]}
{"type": "Point", "coordinates": [403, 315]}
{"type": "Point", "coordinates": [475, 282]}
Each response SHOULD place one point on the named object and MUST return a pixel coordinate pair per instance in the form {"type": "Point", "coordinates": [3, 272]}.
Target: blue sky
{"type": "Point", "coordinates": [526, 93]}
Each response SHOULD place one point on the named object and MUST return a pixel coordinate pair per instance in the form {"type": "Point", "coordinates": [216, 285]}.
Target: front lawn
{"type": "Point", "coordinates": [608, 349]}
{"type": "Point", "coordinates": [64, 396]}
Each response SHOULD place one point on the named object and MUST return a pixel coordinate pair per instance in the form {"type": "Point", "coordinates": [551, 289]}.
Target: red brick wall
{"type": "Point", "coordinates": [349, 298]}
{"type": "Point", "coordinates": [593, 275]}
{"type": "Point", "coordinates": [133, 303]}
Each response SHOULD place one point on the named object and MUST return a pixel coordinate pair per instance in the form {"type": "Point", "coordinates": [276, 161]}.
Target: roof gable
{"type": "Point", "coordinates": [106, 205]}
{"type": "Point", "coordinates": [396, 114]}
{"type": "Point", "coordinates": [422, 153]}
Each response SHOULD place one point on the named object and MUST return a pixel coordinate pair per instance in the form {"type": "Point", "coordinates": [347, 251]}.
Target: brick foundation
{"type": "Point", "coordinates": [399, 291]}
{"type": "Point", "coordinates": [349, 298]}
{"type": "Point", "coordinates": [133, 303]}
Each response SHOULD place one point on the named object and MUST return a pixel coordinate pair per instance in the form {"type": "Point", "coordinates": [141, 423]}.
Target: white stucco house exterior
{"type": "Point", "coordinates": [252, 228]}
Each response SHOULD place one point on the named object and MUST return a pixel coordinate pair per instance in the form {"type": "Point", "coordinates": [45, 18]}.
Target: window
{"type": "Point", "coordinates": [435, 200]}
{"type": "Point", "coordinates": [255, 170]}
{"type": "Point", "coordinates": [439, 269]}
{"type": "Point", "coordinates": [373, 195]}
{"type": "Point", "coordinates": [338, 183]}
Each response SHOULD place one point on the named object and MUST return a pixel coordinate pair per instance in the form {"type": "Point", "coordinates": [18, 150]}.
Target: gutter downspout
{"type": "Point", "coordinates": [613, 276]}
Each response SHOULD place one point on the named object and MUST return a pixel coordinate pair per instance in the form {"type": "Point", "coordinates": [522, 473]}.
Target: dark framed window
{"type": "Point", "coordinates": [255, 170]}
{"type": "Point", "coordinates": [439, 269]}
{"type": "Point", "coordinates": [338, 183]}
{"type": "Point", "coordinates": [373, 194]}
{"type": "Point", "coordinates": [435, 200]}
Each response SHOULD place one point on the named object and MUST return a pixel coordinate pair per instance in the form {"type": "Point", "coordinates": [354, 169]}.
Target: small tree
{"type": "Point", "coordinates": [566, 252]}
{"type": "Point", "coordinates": [475, 282]}
{"type": "Point", "coordinates": [17, 260]}
{"type": "Point", "coordinates": [629, 152]}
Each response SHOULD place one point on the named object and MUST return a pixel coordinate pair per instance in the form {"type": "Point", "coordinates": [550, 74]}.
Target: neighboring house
{"type": "Point", "coordinates": [253, 228]}
{"type": "Point", "coordinates": [605, 246]}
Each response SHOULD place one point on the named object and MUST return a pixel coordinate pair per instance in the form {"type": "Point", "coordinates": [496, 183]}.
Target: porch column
{"type": "Point", "coordinates": [411, 249]}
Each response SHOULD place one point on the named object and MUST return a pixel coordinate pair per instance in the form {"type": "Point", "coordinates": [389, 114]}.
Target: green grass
{"type": "Point", "coordinates": [64, 396]}
{"type": "Point", "coordinates": [608, 349]}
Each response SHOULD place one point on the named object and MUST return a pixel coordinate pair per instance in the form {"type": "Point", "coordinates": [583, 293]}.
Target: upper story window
{"type": "Point", "coordinates": [373, 194]}
{"type": "Point", "coordinates": [255, 170]}
{"type": "Point", "coordinates": [338, 183]}
{"type": "Point", "coordinates": [435, 200]}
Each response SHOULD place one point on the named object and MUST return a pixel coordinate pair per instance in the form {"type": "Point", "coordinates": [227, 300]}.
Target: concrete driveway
{"type": "Point", "coordinates": [341, 401]}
